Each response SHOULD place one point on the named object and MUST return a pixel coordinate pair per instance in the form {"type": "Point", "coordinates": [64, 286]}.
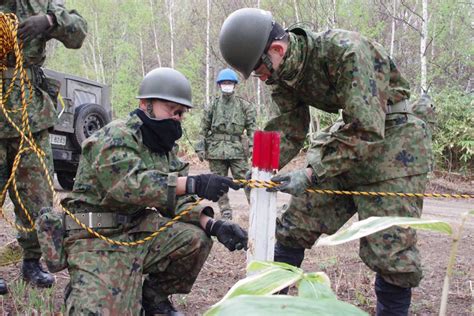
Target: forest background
{"type": "Point", "coordinates": [430, 41]}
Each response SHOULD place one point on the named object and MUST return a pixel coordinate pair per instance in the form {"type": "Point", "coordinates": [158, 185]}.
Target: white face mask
{"type": "Point", "coordinates": [227, 88]}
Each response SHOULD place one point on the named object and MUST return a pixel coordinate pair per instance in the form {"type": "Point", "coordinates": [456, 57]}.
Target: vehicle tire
{"type": "Point", "coordinates": [88, 118]}
{"type": "Point", "coordinates": [66, 179]}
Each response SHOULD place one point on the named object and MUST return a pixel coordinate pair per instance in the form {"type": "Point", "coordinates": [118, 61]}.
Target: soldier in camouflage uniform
{"type": "Point", "coordinates": [223, 125]}
{"type": "Point", "coordinates": [130, 182]}
{"type": "Point", "coordinates": [377, 145]}
{"type": "Point", "coordinates": [40, 21]}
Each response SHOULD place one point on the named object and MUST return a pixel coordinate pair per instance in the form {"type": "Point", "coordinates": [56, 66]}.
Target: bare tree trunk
{"type": "Point", "coordinates": [295, 6]}
{"type": "Point", "coordinates": [142, 56]}
{"type": "Point", "coordinates": [99, 53]}
{"type": "Point", "coordinates": [392, 38]}
{"type": "Point", "coordinates": [423, 41]}
{"type": "Point", "coordinates": [170, 19]}
{"type": "Point", "coordinates": [208, 54]}
{"type": "Point", "coordinates": [155, 34]}
{"type": "Point", "coordinates": [259, 87]}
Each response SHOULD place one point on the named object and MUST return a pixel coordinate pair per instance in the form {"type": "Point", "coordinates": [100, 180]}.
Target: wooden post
{"type": "Point", "coordinates": [265, 161]}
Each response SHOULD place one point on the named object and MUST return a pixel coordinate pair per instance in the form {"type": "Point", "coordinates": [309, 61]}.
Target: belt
{"type": "Point", "coordinates": [400, 107]}
{"type": "Point", "coordinates": [225, 137]}
{"type": "Point", "coordinates": [98, 220]}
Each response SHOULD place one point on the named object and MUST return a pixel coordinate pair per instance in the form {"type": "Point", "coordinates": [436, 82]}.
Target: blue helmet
{"type": "Point", "coordinates": [227, 75]}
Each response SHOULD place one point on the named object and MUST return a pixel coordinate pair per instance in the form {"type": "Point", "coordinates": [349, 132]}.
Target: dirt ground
{"type": "Point", "coordinates": [351, 279]}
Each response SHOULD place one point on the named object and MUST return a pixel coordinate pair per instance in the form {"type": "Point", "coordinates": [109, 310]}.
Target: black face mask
{"type": "Point", "coordinates": [159, 135]}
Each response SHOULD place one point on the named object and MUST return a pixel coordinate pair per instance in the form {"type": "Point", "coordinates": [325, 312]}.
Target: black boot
{"type": "Point", "coordinates": [3, 287]}
{"type": "Point", "coordinates": [163, 308]}
{"type": "Point", "coordinates": [34, 273]}
{"type": "Point", "coordinates": [392, 300]}
{"type": "Point", "coordinates": [293, 256]}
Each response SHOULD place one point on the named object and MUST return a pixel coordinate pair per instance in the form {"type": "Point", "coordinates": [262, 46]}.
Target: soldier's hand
{"type": "Point", "coordinates": [210, 186]}
{"type": "Point", "coordinates": [294, 183]}
{"type": "Point", "coordinates": [231, 235]}
{"type": "Point", "coordinates": [34, 26]}
{"type": "Point", "coordinates": [201, 155]}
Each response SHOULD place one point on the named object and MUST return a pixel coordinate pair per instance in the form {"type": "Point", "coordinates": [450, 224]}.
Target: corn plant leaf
{"type": "Point", "coordinates": [315, 285]}
{"type": "Point", "coordinates": [375, 224]}
{"type": "Point", "coordinates": [270, 280]}
{"type": "Point", "coordinates": [276, 305]}
{"type": "Point", "coordinates": [256, 266]}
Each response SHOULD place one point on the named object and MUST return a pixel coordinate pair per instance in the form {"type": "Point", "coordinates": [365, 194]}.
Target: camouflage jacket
{"type": "Point", "coordinates": [342, 70]}
{"type": "Point", "coordinates": [223, 125]}
{"type": "Point", "coordinates": [70, 29]}
{"type": "Point", "coordinates": [118, 173]}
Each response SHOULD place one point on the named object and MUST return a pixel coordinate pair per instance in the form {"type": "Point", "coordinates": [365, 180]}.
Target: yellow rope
{"type": "Point", "coordinates": [9, 44]}
{"type": "Point", "coordinates": [260, 184]}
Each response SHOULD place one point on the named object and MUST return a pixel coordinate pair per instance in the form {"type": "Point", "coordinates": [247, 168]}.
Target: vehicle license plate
{"type": "Point", "coordinates": [57, 139]}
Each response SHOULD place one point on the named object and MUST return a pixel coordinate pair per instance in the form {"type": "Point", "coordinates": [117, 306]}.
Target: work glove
{"type": "Point", "coordinates": [294, 183]}
{"type": "Point", "coordinates": [201, 155]}
{"type": "Point", "coordinates": [248, 176]}
{"type": "Point", "coordinates": [231, 235]}
{"type": "Point", "coordinates": [33, 26]}
{"type": "Point", "coordinates": [210, 186]}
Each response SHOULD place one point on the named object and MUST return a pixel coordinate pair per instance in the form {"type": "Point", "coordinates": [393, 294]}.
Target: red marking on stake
{"type": "Point", "coordinates": [266, 150]}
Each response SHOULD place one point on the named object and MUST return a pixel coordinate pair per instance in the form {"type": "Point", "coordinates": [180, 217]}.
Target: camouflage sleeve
{"type": "Point", "coordinates": [292, 122]}
{"type": "Point", "coordinates": [360, 96]}
{"type": "Point", "coordinates": [205, 128]}
{"type": "Point", "coordinates": [70, 28]}
{"type": "Point", "coordinates": [122, 173]}
{"type": "Point", "coordinates": [250, 121]}
{"type": "Point", "coordinates": [193, 216]}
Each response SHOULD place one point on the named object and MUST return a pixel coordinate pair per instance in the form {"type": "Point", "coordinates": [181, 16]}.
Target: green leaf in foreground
{"type": "Point", "coordinates": [315, 285]}
{"type": "Point", "coordinates": [270, 280]}
{"type": "Point", "coordinates": [275, 305]}
{"type": "Point", "coordinates": [375, 224]}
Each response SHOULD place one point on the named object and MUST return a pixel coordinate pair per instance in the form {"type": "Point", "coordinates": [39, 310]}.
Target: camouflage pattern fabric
{"type": "Point", "coordinates": [368, 150]}
{"type": "Point", "coordinates": [70, 29]}
{"type": "Point", "coordinates": [117, 173]}
{"type": "Point", "coordinates": [34, 190]}
{"type": "Point", "coordinates": [238, 167]}
{"type": "Point", "coordinates": [51, 232]}
{"type": "Point", "coordinates": [227, 115]}
{"type": "Point", "coordinates": [32, 186]}
{"type": "Point", "coordinates": [107, 279]}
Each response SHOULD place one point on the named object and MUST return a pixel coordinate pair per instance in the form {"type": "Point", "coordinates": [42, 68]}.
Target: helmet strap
{"type": "Point", "coordinates": [268, 63]}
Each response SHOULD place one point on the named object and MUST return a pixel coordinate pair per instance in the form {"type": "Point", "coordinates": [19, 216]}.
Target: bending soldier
{"type": "Point", "coordinates": [130, 182]}
{"type": "Point", "coordinates": [378, 145]}
{"type": "Point", "coordinates": [223, 125]}
{"type": "Point", "coordinates": [40, 21]}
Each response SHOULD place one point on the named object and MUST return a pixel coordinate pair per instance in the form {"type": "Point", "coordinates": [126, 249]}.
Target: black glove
{"type": "Point", "coordinates": [33, 26]}
{"type": "Point", "coordinates": [231, 235]}
{"type": "Point", "coordinates": [210, 186]}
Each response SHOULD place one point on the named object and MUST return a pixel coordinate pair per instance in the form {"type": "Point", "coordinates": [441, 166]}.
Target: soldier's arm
{"type": "Point", "coordinates": [363, 114]}
{"type": "Point", "coordinates": [69, 27]}
{"type": "Point", "coordinates": [121, 173]}
{"type": "Point", "coordinates": [292, 122]}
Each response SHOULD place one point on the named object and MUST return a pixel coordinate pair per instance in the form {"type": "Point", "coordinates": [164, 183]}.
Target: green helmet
{"type": "Point", "coordinates": [243, 38]}
{"type": "Point", "coordinates": [166, 84]}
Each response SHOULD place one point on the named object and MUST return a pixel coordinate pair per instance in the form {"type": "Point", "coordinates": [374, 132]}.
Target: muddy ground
{"type": "Point", "coordinates": [351, 279]}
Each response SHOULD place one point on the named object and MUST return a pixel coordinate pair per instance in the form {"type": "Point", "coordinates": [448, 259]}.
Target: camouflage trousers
{"type": "Point", "coordinates": [392, 253]}
{"type": "Point", "coordinates": [107, 279]}
{"type": "Point", "coordinates": [32, 185]}
{"type": "Point", "coordinates": [238, 168]}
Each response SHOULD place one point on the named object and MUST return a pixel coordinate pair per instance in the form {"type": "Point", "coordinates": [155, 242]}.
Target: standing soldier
{"type": "Point", "coordinates": [129, 184]}
{"type": "Point", "coordinates": [223, 125]}
{"type": "Point", "coordinates": [378, 145]}
{"type": "Point", "coordinates": [40, 21]}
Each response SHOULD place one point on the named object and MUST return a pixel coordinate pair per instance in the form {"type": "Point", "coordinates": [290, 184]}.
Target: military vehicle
{"type": "Point", "coordinates": [83, 108]}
